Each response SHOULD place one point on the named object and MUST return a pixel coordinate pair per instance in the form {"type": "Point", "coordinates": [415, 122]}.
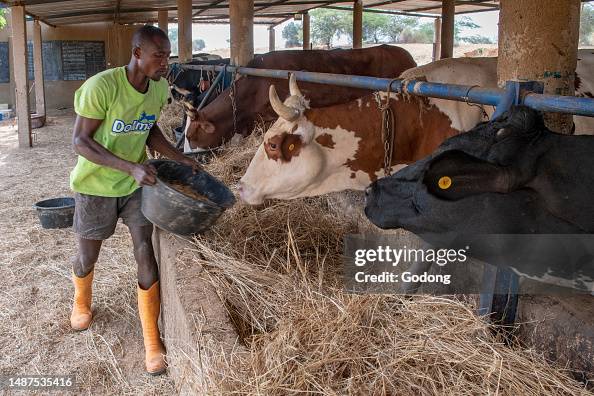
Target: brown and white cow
{"type": "Point", "coordinates": [340, 147]}
{"type": "Point", "coordinates": [311, 152]}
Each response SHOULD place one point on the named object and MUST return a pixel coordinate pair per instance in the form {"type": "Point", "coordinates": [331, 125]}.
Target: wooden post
{"type": "Point", "coordinates": [539, 42]}
{"type": "Point", "coordinates": [271, 39]}
{"type": "Point", "coordinates": [19, 57]}
{"type": "Point", "coordinates": [437, 39]}
{"type": "Point", "coordinates": [38, 67]}
{"type": "Point", "coordinates": [184, 30]}
{"type": "Point", "coordinates": [358, 24]}
{"type": "Point", "coordinates": [448, 11]}
{"type": "Point", "coordinates": [163, 16]}
{"type": "Point", "coordinates": [241, 15]}
{"type": "Point", "coordinates": [306, 31]}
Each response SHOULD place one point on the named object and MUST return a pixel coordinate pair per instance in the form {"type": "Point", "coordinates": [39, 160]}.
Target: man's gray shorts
{"type": "Point", "coordinates": [96, 217]}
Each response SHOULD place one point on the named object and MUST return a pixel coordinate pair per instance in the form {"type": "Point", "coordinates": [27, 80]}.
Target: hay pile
{"type": "Point", "coordinates": [171, 117]}
{"type": "Point", "coordinates": [278, 268]}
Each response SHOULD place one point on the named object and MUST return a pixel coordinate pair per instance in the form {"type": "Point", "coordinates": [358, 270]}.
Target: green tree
{"type": "Point", "coordinates": [374, 26]}
{"type": "Point", "coordinates": [2, 18]}
{"type": "Point", "coordinates": [463, 23]}
{"type": "Point", "coordinates": [476, 39]}
{"type": "Point", "coordinates": [423, 33]}
{"type": "Point", "coordinates": [198, 45]}
{"type": "Point", "coordinates": [396, 25]}
{"type": "Point", "coordinates": [326, 25]}
{"type": "Point", "coordinates": [466, 23]}
{"type": "Point", "coordinates": [293, 35]}
{"type": "Point", "coordinates": [586, 24]}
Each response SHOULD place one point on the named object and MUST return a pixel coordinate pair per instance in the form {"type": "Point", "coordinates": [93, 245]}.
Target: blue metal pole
{"type": "Point", "coordinates": [487, 96]}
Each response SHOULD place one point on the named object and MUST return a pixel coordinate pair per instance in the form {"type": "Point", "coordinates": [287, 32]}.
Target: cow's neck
{"type": "Point", "coordinates": [355, 154]}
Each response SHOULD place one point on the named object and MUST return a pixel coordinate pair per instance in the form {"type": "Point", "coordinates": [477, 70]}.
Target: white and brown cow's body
{"type": "Point", "coordinates": [340, 147]}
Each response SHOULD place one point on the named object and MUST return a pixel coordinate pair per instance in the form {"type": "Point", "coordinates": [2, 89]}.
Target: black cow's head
{"type": "Point", "coordinates": [479, 181]}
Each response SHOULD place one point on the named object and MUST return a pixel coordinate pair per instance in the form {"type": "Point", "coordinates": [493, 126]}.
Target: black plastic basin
{"type": "Point", "coordinates": [55, 212]}
{"type": "Point", "coordinates": [177, 212]}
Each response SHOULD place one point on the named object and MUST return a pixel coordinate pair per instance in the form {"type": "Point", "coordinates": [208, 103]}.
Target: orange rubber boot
{"type": "Point", "coordinates": [81, 315]}
{"type": "Point", "coordinates": [149, 307]}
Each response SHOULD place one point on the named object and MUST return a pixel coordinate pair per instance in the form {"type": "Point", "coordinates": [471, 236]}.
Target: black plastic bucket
{"type": "Point", "coordinates": [177, 212]}
{"type": "Point", "coordinates": [55, 212]}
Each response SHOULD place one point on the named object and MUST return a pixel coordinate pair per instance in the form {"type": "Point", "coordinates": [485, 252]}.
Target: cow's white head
{"type": "Point", "coordinates": [289, 163]}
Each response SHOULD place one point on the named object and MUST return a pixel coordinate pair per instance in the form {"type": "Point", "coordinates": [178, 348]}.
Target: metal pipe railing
{"type": "Point", "coordinates": [465, 93]}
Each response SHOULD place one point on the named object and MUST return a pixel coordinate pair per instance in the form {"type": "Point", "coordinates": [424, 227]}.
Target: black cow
{"type": "Point", "coordinates": [509, 176]}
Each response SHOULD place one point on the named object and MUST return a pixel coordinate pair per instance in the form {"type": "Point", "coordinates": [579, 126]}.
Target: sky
{"type": "Point", "coordinates": [216, 36]}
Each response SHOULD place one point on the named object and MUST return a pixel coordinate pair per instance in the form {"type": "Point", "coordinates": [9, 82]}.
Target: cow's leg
{"type": "Point", "coordinates": [149, 299]}
{"type": "Point", "coordinates": [82, 278]}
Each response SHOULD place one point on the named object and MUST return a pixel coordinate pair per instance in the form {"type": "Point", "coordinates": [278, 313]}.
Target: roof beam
{"type": "Point", "coordinates": [278, 2]}
{"type": "Point", "coordinates": [492, 7]}
{"type": "Point", "coordinates": [33, 16]}
{"type": "Point", "coordinates": [34, 2]}
{"type": "Point", "coordinates": [281, 22]}
{"type": "Point", "coordinates": [170, 8]}
{"type": "Point", "coordinates": [214, 3]}
{"type": "Point", "coordinates": [374, 11]}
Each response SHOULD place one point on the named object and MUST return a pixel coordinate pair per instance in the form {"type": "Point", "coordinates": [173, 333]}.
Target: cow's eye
{"type": "Point", "coordinates": [273, 146]}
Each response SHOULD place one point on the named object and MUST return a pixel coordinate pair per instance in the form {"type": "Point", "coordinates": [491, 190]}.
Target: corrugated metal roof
{"type": "Point", "coordinates": [63, 12]}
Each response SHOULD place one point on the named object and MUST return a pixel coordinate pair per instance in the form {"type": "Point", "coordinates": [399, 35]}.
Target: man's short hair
{"type": "Point", "coordinates": [146, 34]}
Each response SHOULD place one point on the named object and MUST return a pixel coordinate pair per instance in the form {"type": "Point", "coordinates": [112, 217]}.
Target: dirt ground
{"type": "Point", "coordinates": [36, 292]}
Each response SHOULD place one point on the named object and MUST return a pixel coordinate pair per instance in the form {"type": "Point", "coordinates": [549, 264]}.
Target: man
{"type": "Point", "coordinates": [117, 112]}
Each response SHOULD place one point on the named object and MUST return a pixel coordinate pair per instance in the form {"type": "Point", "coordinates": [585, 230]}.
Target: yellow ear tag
{"type": "Point", "coordinates": [444, 182]}
{"type": "Point", "coordinates": [291, 147]}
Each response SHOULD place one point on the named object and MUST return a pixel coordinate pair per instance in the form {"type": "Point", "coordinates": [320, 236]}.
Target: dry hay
{"type": "Point", "coordinates": [171, 117]}
{"type": "Point", "coordinates": [277, 268]}
{"type": "Point", "coordinates": [36, 296]}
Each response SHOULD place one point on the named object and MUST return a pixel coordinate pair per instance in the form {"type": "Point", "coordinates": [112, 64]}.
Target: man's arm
{"type": "Point", "coordinates": [159, 143]}
{"type": "Point", "coordinates": [86, 146]}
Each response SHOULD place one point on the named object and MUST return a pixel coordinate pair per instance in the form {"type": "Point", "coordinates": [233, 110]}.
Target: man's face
{"type": "Point", "coordinates": [153, 56]}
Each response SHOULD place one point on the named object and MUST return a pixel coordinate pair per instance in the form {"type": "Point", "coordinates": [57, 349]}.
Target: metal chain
{"type": "Point", "coordinates": [387, 129]}
{"type": "Point", "coordinates": [200, 81]}
{"type": "Point", "coordinates": [233, 103]}
{"type": "Point", "coordinates": [480, 107]}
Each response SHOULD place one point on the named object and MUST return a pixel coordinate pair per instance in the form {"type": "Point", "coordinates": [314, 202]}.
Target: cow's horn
{"type": "Point", "coordinates": [283, 111]}
{"type": "Point", "coordinates": [293, 88]}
